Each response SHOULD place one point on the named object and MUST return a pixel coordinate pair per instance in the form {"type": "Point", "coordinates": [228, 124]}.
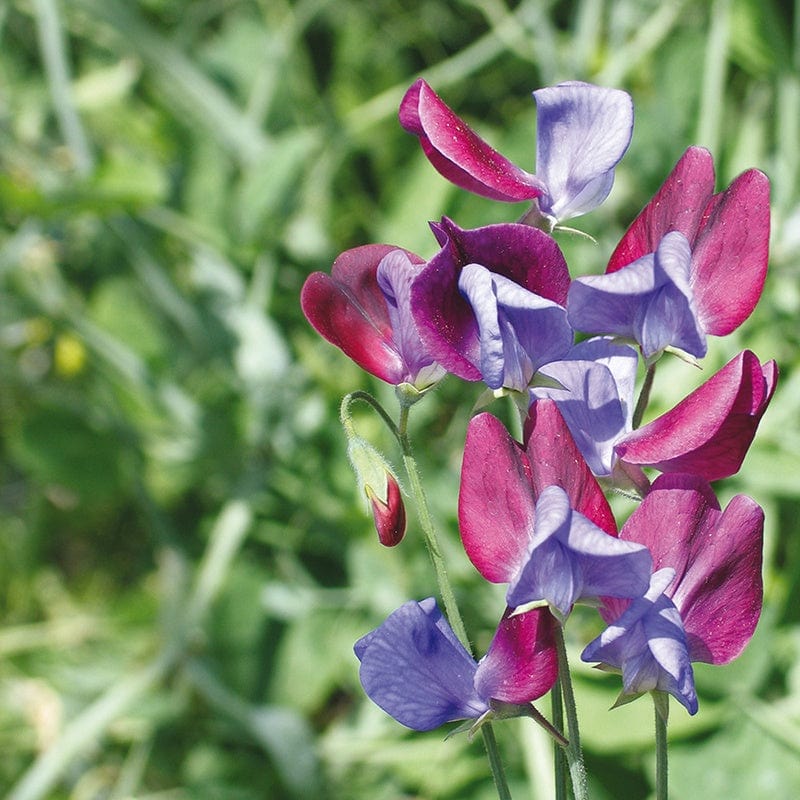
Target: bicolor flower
{"type": "Point", "coordinates": [598, 377]}
{"type": "Point", "coordinates": [582, 132]}
{"type": "Point", "coordinates": [521, 521]}
{"type": "Point", "coordinates": [489, 305]}
{"type": "Point", "coordinates": [414, 667]}
{"type": "Point", "coordinates": [727, 234]}
{"type": "Point", "coordinates": [650, 301]}
{"type": "Point", "coordinates": [716, 591]}
{"type": "Point", "coordinates": [363, 307]}
{"type": "Point", "coordinates": [709, 432]}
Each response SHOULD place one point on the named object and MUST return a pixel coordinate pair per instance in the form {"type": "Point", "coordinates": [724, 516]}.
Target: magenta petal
{"type": "Point", "coordinates": [679, 205]}
{"type": "Point", "coordinates": [709, 432]}
{"type": "Point", "coordinates": [348, 309]}
{"type": "Point", "coordinates": [717, 558]}
{"type": "Point", "coordinates": [444, 318]}
{"type": "Point", "coordinates": [555, 460]}
{"type": "Point", "coordinates": [458, 153]}
{"type": "Point", "coordinates": [729, 261]}
{"type": "Point", "coordinates": [521, 663]}
{"type": "Point", "coordinates": [496, 505]}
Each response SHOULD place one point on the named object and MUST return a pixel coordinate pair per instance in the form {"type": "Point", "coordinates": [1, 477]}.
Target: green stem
{"type": "Point", "coordinates": [559, 764]}
{"type": "Point", "coordinates": [365, 397]}
{"type": "Point", "coordinates": [644, 395]}
{"type": "Point", "coordinates": [573, 751]}
{"type": "Point", "coordinates": [661, 756]}
{"type": "Point", "coordinates": [445, 590]}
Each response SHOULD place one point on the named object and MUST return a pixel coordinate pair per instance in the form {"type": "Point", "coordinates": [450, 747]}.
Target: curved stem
{"type": "Point", "coordinates": [445, 590]}
{"type": "Point", "coordinates": [644, 395]}
{"type": "Point", "coordinates": [662, 789]}
{"type": "Point", "coordinates": [365, 397]}
{"type": "Point", "coordinates": [573, 751]}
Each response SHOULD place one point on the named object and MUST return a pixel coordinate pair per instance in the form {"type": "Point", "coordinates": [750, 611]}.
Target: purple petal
{"type": "Point", "coordinates": [649, 301]}
{"type": "Point", "coordinates": [582, 132]}
{"type": "Point", "coordinates": [709, 432]}
{"type": "Point", "coordinates": [598, 377]}
{"type": "Point", "coordinates": [521, 663]}
{"type": "Point", "coordinates": [648, 644]}
{"type": "Point", "coordinates": [729, 260]}
{"type": "Point", "coordinates": [458, 153]}
{"type": "Point", "coordinates": [395, 274]}
{"type": "Point", "coordinates": [496, 506]}
{"type": "Point", "coordinates": [716, 556]}
{"type": "Point", "coordinates": [445, 320]}
{"type": "Point", "coordinates": [518, 330]}
{"type": "Point", "coordinates": [555, 460]}
{"type": "Point", "coordinates": [415, 669]}
{"type": "Point", "coordinates": [679, 205]}
{"type": "Point", "coordinates": [571, 559]}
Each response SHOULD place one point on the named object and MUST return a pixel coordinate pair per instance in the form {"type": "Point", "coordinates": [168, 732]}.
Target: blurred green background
{"type": "Point", "coordinates": [184, 560]}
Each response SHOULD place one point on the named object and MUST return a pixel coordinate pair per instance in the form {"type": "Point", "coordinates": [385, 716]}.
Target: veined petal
{"type": "Point", "coordinates": [679, 205]}
{"type": "Point", "coordinates": [708, 433]}
{"type": "Point", "coordinates": [582, 132]}
{"type": "Point", "coordinates": [521, 662]}
{"type": "Point", "coordinates": [496, 505]}
{"type": "Point", "coordinates": [571, 559]}
{"type": "Point", "coordinates": [650, 301]}
{"type": "Point", "coordinates": [729, 259]}
{"type": "Point", "coordinates": [555, 460]}
{"type": "Point", "coordinates": [418, 672]}
{"type": "Point", "coordinates": [444, 318]}
{"type": "Point", "coordinates": [648, 644]}
{"type": "Point", "coordinates": [458, 153]}
{"type": "Point", "coordinates": [518, 330]}
{"type": "Point", "coordinates": [716, 556]}
{"type": "Point", "coordinates": [598, 377]}
{"type": "Point", "coordinates": [395, 274]}
{"type": "Point", "coordinates": [348, 309]}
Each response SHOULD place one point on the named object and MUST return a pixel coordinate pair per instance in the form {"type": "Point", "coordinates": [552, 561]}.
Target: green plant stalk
{"type": "Point", "coordinates": [559, 765]}
{"type": "Point", "coordinates": [644, 395]}
{"type": "Point", "coordinates": [573, 752]}
{"type": "Point", "coordinates": [662, 784]}
{"type": "Point", "coordinates": [445, 590]}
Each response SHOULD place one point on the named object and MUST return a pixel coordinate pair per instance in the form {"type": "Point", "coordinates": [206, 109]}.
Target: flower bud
{"type": "Point", "coordinates": [389, 516]}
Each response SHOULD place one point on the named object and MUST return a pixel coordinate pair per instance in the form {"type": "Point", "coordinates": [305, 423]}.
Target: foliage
{"type": "Point", "coordinates": [184, 560]}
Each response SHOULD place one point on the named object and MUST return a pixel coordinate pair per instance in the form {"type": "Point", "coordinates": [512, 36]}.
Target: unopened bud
{"type": "Point", "coordinates": [389, 516]}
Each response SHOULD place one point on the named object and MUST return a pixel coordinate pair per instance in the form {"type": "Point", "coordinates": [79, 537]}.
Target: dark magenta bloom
{"type": "Point", "coordinates": [389, 513]}
{"type": "Point", "coordinates": [650, 301]}
{"type": "Point", "coordinates": [582, 132]}
{"type": "Point", "coordinates": [489, 305]}
{"type": "Point", "coordinates": [363, 307]}
{"type": "Point", "coordinates": [717, 588]}
{"type": "Point", "coordinates": [727, 233]}
{"type": "Point", "coordinates": [709, 432]}
{"type": "Point", "coordinates": [537, 519]}
{"type": "Point", "coordinates": [415, 669]}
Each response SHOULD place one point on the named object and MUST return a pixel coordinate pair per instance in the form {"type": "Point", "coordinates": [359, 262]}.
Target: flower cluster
{"type": "Point", "coordinates": [680, 582]}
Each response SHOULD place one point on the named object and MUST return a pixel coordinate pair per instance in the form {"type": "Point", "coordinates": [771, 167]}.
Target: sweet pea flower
{"type": "Point", "coordinates": [598, 378]}
{"type": "Point", "coordinates": [414, 667]}
{"type": "Point", "coordinates": [716, 557]}
{"type": "Point", "coordinates": [582, 133]}
{"type": "Point", "coordinates": [709, 432]}
{"type": "Point", "coordinates": [650, 301]}
{"type": "Point", "coordinates": [521, 519]}
{"type": "Point", "coordinates": [692, 263]}
{"type": "Point", "coordinates": [489, 305]}
{"type": "Point", "coordinates": [363, 307]}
